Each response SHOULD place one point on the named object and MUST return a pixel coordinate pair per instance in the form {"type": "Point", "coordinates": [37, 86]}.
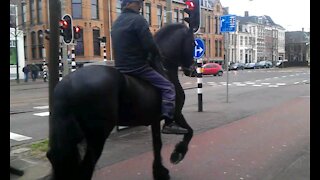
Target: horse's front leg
{"type": "Point", "coordinates": [159, 171]}
{"type": "Point", "coordinates": [181, 148]}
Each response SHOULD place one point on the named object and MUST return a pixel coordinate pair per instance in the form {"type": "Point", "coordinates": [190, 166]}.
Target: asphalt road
{"type": "Point", "coordinates": [250, 93]}
{"type": "Point", "coordinates": [29, 102]}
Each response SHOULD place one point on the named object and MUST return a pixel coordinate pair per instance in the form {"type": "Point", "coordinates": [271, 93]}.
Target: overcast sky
{"type": "Point", "coordinates": [293, 15]}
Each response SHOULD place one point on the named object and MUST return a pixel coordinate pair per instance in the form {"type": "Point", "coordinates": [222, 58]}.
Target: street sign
{"type": "Point", "coordinates": [228, 23]}
{"type": "Point", "coordinates": [199, 48]}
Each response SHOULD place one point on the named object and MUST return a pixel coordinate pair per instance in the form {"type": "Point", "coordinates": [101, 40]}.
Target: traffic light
{"type": "Point", "coordinates": [47, 33]}
{"type": "Point", "coordinates": [76, 32]}
{"type": "Point", "coordinates": [67, 29]}
{"type": "Point", "coordinates": [193, 10]}
{"type": "Point", "coordinates": [103, 39]}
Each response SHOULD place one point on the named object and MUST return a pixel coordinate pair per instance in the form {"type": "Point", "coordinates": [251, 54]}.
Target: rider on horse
{"type": "Point", "coordinates": [132, 42]}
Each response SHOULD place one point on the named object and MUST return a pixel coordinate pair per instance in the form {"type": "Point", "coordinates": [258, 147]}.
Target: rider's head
{"type": "Point", "coordinates": [132, 4]}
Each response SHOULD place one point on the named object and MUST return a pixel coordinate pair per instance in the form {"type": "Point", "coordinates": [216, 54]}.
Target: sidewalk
{"type": "Point", "coordinates": [14, 82]}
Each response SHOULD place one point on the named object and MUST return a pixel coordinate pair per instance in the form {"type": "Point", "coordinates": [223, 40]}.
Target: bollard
{"type": "Point", "coordinates": [104, 53]}
{"type": "Point", "coordinates": [73, 59]}
{"type": "Point", "coordinates": [199, 81]}
{"type": "Point", "coordinates": [44, 65]}
{"type": "Point", "coordinates": [60, 62]}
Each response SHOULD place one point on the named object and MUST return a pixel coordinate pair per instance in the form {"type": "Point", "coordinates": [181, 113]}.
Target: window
{"type": "Point", "coordinates": [96, 42]}
{"type": "Point", "coordinates": [246, 40]}
{"type": "Point", "coordinates": [32, 12]}
{"type": "Point", "coordinates": [164, 15]}
{"type": "Point", "coordinates": [159, 15]}
{"type": "Point", "coordinates": [13, 20]}
{"type": "Point", "coordinates": [241, 55]}
{"type": "Point", "coordinates": [118, 8]}
{"type": "Point", "coordinates": [94, 9]}
{"type": "Point", "coordinates": [25, 46]}
{"type": "Point", "coordinates": [220, 48]}
{"type": "Point", "coordinates": [39, 11]}
{"type": "Point", "coordinates": [181, 16]}
{"type": "Point", "coordinates": [148, 13]}
{"type": "Point", "coordinates": [209, 24]}
{"type": "Point", "coordinates": [241, 40]}
{"type": "Point", "coordinates": [79, 48]}
{"type": "Point", "coordinates": [216, 25]}
{"type": "Point", "coordinates": [40, 43]}
{"type": "Point", "coordinates": [24, 15]}
{"type": "Point", "coordinates": [34, 46]}
{"type": "Point", "coordinates": [216, 47]}
{"type": "Point", "coordinates": [176, 16]}
{"type": "Point", "coordinates": [209, 47]}
{"type": "Point", "coordinates": [77, 9]}
{"type": "Point", "coordinates": [12, 43]}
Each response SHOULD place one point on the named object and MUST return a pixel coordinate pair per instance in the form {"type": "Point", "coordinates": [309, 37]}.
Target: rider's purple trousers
{"type": "Point", "coordinates": [166, 87]}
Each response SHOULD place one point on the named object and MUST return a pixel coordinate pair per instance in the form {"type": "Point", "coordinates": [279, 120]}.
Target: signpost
{"type": "Point", "coordinates": [199, 50]}
{"type": "Point", "coordinates": [228, 24]}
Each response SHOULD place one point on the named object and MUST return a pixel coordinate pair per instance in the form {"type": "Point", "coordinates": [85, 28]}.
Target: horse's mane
{"type": "Point", "coordinates": [169, 29]}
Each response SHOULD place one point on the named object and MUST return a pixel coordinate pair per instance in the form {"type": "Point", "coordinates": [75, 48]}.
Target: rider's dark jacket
{"type": "Point", "coordinates": [132, 41]}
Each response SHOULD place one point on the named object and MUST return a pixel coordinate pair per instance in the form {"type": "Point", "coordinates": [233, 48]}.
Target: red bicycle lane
{"type": "Point", "coordinates": [255, 147]}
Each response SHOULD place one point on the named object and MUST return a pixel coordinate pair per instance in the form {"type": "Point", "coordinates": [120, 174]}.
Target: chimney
{"type": "Point", "coordinates": [302, 29]}
{"type": "Point", "coordinates": [246, 14]}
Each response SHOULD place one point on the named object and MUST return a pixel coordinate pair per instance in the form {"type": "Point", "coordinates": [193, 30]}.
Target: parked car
{"type": "Point", "coordinates": [264, 64]}
{"type": "Point", "coordinates": [280, 62]}
{"type": "Point", "coordinates": [250, 66]}
{"type": "Point", "coordinates": [212, 69]}
{"type": "Point", "coordinates": [236, 66]}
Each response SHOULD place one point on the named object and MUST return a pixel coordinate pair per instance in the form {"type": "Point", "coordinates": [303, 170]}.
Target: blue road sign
{"type": "Point", "coordinates": [199, 48]}
{"type": "Point", "coordinates": [228, 23]}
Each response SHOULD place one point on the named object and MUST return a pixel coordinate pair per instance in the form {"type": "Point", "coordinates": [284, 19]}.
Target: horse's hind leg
{"type": "Point", "coordinates": [159, 171]}
{"type": "Point", "coordinates": [95, 140]}
{"type": "Point", "coordinates": [181, 148]}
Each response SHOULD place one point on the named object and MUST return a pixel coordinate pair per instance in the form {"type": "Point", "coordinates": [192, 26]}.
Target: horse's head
{"type": "Point", "coordinates": [176, 44]}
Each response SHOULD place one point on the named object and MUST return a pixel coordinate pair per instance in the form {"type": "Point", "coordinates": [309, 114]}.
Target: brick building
{"type": "Point", "coordinates": [95, 17]}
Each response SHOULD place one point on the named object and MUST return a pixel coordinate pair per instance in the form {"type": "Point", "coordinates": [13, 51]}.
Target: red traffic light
{"type": "Point", "coordinates": [190, 5]}
{"type": "Point", "coordinates": [63, 24]}
{"type": "Point", "coordinates": [77, 29]}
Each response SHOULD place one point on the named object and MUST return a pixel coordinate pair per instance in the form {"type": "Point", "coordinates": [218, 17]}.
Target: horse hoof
{"type": "Point", "coordinates": [176, 157]}
{"type": "Point", "coordinates": [161, 174]}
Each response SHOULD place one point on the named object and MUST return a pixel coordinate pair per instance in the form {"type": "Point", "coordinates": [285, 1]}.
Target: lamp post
{"type": "Point", "coordinates": [17, 58]}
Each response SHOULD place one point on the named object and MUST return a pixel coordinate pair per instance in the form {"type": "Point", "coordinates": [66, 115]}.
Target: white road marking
{"type": "Point", "coordinates": [257, 85]}
{"type": "Point", "coordinates": [265, 83]}
{"type": "Point", "coordinates": [273, 86]}
{"type": "Point", "coordinates": [296, 82]}
{"type": "Point", "coordinates": [41, 107]}
{"type": "Point", "coordinates": [281, 84]}
{"type": "Point", "coordinates": [18, 137]}
{"type": "Point", "coordinates": [42, 114]}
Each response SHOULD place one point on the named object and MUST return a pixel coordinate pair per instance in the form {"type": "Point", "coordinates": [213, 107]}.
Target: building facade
{"type": "Point", "coordinates": [297, 47]}
{"type": "Point", "coordinates": [17, 59]}
{"type": "Point", "coordinates": [95, 18]}
{"type": "Point", "coordinates": [257, 38]}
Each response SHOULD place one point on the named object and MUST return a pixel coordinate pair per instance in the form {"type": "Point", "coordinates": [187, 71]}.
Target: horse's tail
{"type": "Point", "coordinates": [64, 136]}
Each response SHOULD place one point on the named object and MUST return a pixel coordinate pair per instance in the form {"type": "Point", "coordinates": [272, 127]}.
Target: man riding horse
{"type": "Point", "coordinates": [132, 43]}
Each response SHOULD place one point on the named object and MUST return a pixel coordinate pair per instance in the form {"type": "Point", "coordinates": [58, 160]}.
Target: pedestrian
{"type": "Point", "coordinates": [34, 71]}
{"type": "Point", "coordinates": [26, 71]}
{"type": "Point", "coordinates": [132, 42]}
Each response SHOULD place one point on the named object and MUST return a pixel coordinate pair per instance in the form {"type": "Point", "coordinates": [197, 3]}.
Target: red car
{"type": "Point", "coordinates": [212, 69]}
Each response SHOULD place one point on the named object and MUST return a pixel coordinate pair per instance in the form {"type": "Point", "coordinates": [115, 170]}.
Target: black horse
{"type": "Point", "coordinates": [91, 101]}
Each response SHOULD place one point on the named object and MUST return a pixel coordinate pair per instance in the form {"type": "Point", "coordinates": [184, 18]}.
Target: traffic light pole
{"type": "Point", "coordinates": [55, 15]}
{"type": "Point", "coordinates": [64, 52]}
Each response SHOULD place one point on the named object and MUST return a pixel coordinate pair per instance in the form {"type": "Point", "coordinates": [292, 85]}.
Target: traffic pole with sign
{"type": "Point", "coordinates": [228, 24]}
{"type": "Point", "coordinates": [199, 50]}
